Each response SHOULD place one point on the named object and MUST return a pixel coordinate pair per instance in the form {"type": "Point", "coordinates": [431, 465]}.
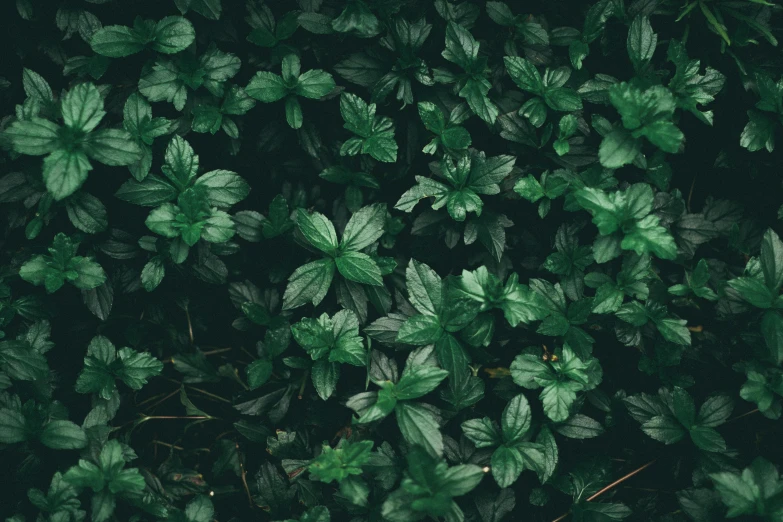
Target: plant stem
{"type": "Point", "coordinates": [205, 392]}
{"type": "Point", "coordinates": [610, 486]}
{"type": "Point", "coordinates": [164, 399]}
{"type": "Point", "coordinates": [244, 479]}
{"type": "Point", "coordinates": [172, 446]}
{"type": "Point", "coordinates": [621, 480]}
{"type": "Point", "coordinates": [218, 350]}
{"type": "Point", "coordinates": [210, 352]}
{"type": "Point", "coordinates": [738, 417]}
{"type": "Point", "coordinates": [180, 448]}
{"type": "Point", "coordinates": [190, 325]}
{"type": "Point", "coordinates": [304, 383]}
{"type": "Point", "coordinates": [170, 417]}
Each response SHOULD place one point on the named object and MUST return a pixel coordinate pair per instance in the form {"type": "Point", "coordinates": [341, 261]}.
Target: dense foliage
{"type": "Point", "coordinates": [391, 260]}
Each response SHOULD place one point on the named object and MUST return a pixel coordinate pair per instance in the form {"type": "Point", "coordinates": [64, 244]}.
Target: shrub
{"type": "Point", "coordinates": [391, 260]}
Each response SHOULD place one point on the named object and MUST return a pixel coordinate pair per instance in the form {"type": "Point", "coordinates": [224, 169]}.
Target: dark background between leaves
{"type": "Point", "coordinates": [270, 159]}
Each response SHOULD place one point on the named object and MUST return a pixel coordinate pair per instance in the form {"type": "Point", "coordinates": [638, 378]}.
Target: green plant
{"type": "Point", "coordinates": [380, 261]}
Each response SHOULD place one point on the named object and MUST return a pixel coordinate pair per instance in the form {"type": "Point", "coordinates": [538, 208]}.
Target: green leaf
{"type": "Point", "coordinates": [163, 219]}
{"type": "Point", "coordinates": [223, 187]}
{"type": "Point", "coordinates": [618, 148]}
{"type": "Point", "coordinates": [357, 19]}
{"type": "Point", "coordinates": [530, 371]}
{"type": "Point", "coordinates": [137, 368]}
{"type": "Point", "coordinates": [364, 228]}
{"type": "Point", "coordinates": [641, 42]}
{"type": "Point", "coordinates": [382, 407]}
{"type": "Point", "coordinates": [562, 99]}
{"type": "Point", "coordinates": [82, 107]}
{"type": "Point", "coordinates": [357, 114]}
{"type": "Point", "coordinates": [35, 86]}
{"type": "Point", "coordinates": [483, 433]}
{"type": "Point", "coordinates": [419, 381]}
{"type": "Point", "coordinates": [116, 41]}
{"type": "Point", "coordinates": [506, 466]}
{"type": "Point", "coordinates": [424, 288]}
{"type": "Point", "coordinates": [293, 113]}
{"type": "Point", "coordinates": [683, 407]}
{"type": "Point", "coordinates": [648, 113]}
{"type": "Point", "coordinates": [87, 213]}
{"type": "Point", "coordinates": [61, 266]}
{"type": "Point", "coordinates": [104, 364]}
{"type": "Point", "coordinates": [772, 330]}
{"type": "Point", "coordinates": [753, 492]}
{"type": "Point", "coordinates": [715, 411]}
{"type": "Point", "coordinates": [759, 132]}
{"type": "Point", "coordinates": [150, 192]}
{"type": "Point", "coordinates": [64, 172]}
{"type": "Point", "coordinates": [103, 504]}
{"type": "Point", "coordinates": [318, 230]}
{"type": "Point", "coordinates": [707, 439]}
{"type": "Point", "coordinates": [113, 147]}
{"type": "Point", "coordinates": [664, 428]}
{"type": "Point", "coordinates": [12, 426]}
{"type": "Point", "coordinates": [420, 330]}
{"type": "Point", "coordinates": [516, 420]}
{"type": "Point", "coordinates": [522, 305]}
{"type": "Point", "coordinates": [461, 48]}
{"type": "Point", "coordinates": [580, 426]}
{"type": "Point", "coordinates": [325, 375]}
{"type": "Point", "coordinates": [152, 274]}
{"type": "Point", "coordinates": [772, 260]}
{"type": "Point", "coordinates": [278, 222]}
{"type": "Point", "coordinates": [35, 137]}
{"type": "Point", "coordinates": [314, 84]}
{"type": "Point", "coordinates": [418, 426]}
{"type": "Point", "coordinates": [674, 331]}
{"type": "Point", "coordinates": [309, 283]}
{"type": "Point", "coordinates": [524, 74]}
{"type": "Point", "coordinates": [22, 363]}
{"type": "Point", "coordinates": [342, 462]}
{"type": "Point", "coordinates": [267, 87]}
{"type": "Point", "coordinates": [451, 355]}
{"type": "Point", "coordinates": [200, 509]}
{"type": "Point", "coordinates": [63, 434]}
{"type": "Point", "coordinates": [558, 398]}
{"type": "Point", "coordinates": [375, 133]}
{"type": "Point", "coordinates": [475, 93]}
{"type": "Point", "coordinates": [172, 35]}
{"type": "Point", "coordinates": [359, 267]}
{"type": "Point", "coordinates": [181, 163]}
{"type": "Point", "coordinates": [753, 290]}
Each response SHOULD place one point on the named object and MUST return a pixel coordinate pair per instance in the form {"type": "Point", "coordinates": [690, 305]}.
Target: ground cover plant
{"type": "Point", "coordinates": [391, 260]}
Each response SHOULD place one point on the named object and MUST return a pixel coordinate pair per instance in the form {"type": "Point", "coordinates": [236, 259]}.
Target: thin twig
{"type": "Point", "coordinates": [172, 446]}
{"type": "Point", "coordinates": [690, 192]}
{"type": "Point", "coordinates": [145, 418]}
{"type": "Point", "coordinates": [180, 448]}
{"type": "Point", "coordinates": [738, 417]}
{"type": "Point", "coordinates": [621, 480]}
{"type": "Point", "coordinates": [218, 350]}
{"type": "Point", "coordinates": [302, 386]}
{"type": "Point", "coordinates": [610, 486]}
{"type": "Point", "coordinates": [239, 380]}
{"type": "Point", "coordinates": [170, 417]}
{"type": "Point", "coordinates": [190, 325]}
{"type": "Point", "coordinates": [164, 399]}
{"type": "Point", "coordinates": [204, 392]}
{"type": "Point", "coordinates": [244, 480]}
{"type": "Point", "coordinates": [149, 399]}
{"type": "Point", "coordinates": [210, 352]}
